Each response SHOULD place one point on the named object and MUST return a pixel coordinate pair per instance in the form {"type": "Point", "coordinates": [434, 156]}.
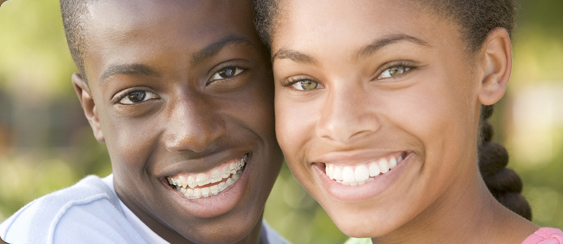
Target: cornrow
{"type": "Point", "coordinates": [503, 183]}
{"type": "Point", "coordinates": [476, 19]}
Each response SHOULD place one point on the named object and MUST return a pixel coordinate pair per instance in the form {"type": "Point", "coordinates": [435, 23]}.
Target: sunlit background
{"type": "Point", "coordinates": [46, 143]}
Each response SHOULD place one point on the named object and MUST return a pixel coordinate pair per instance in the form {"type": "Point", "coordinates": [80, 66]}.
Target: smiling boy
{"type": "Point", "coordinates": [181, 94]}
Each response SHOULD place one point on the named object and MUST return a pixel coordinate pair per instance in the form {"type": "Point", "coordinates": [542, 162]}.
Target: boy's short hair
{"type": "Point", "coordinates": [72, 12]}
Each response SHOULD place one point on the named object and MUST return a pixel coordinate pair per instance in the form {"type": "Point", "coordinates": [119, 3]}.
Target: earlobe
{"type": "Point", "coordinates": [88, 105]}
{"type": "Point", "coordinates": [497, 64]}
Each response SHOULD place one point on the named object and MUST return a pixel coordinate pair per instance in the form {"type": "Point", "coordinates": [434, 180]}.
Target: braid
{"type": "Point", "coordinates": [503, 183]}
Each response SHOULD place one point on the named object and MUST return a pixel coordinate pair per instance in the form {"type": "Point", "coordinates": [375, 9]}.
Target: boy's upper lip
{"type": "Point", "coordinates": [352, 157]}
{"type": "Point", "coordinates": [200, 164]}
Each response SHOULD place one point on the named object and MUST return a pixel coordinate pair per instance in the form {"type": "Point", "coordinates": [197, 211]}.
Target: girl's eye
{"type": "Point", "coordinates": [305, 85]}
{"type": "Point", "coordinates": [227, 73]}
{"type": "Point", "coordinates": [394, 71]}
{"type": "Point", "coordinates": [137, 97]}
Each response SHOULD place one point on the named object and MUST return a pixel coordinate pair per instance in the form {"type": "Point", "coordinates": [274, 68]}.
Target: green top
{"type": "Point", "coordinates": [358, 241]}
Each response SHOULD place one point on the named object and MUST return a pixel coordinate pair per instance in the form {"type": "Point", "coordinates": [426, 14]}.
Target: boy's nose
{"type": "Point", "coordinates": [192, 125]}
{"type": "Point", "coordinates": [346, 115]}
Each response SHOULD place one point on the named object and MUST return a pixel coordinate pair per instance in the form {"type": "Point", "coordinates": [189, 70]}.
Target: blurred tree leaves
{"type": "Point", "coordinates": [46, 144]}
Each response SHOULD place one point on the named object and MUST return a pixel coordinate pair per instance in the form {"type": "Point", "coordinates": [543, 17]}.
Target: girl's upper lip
{"type": "Point", "coordinates": [356, 156]}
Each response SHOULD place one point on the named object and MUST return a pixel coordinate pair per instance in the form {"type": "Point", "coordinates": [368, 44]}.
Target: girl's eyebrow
{"type": "Point", "coordinates": [379, 43]}
{"type": "Point", "coordinates": [285, 53]}
{"type": "Point", "coordinates": [376, 45]}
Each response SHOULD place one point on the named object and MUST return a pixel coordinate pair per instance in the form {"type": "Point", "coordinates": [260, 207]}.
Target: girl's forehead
{"type": "Point", "coordinates": [332, 24]}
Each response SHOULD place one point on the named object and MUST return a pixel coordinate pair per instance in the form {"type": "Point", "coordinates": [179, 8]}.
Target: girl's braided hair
{"type": "Point", "coordinates": [476, 18]}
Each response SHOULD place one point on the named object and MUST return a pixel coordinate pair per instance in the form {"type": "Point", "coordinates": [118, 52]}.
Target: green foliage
{"type": "Point", "coordinates": [35, 70]}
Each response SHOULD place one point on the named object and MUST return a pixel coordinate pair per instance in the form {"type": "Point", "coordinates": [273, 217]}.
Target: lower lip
{"type": "Point", "coordinates": [366, 191]}
{"type": "Point", "coordinates": [225, 201]}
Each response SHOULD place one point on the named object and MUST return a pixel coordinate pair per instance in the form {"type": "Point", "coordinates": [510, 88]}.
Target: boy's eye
{"type": "Point", "coordinates": [227, 73]}
{"type": "Point", "coordinates": [394, 71]}
{"type": "Point", "coordinates": [305, 85]}
{"type": "Point", "coordinates": [137, 97]}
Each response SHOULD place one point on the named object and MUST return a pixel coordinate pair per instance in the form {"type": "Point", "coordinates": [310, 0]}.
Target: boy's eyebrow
{"type": "Point", "coordinates": [198, 57]}
{"type": "Point", "coordinates": [285, 53]}
{"type": "Point", "coordinates": [127, 69]}
{"type": "Point", "coordinates": [214, 48]}
{"type": "Point", "coordinates": [377, 44]}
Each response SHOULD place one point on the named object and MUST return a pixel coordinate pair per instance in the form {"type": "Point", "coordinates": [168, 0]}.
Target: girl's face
{"type": "Point", "coordinates": [377, 109]}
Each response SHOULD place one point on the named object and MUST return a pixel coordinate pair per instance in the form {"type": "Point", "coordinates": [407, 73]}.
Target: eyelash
{"type": "Point", "coordinates": [130, 92]}
{"type": "Point", "coordinates": [238, 70]}
{"type": "Point", "coordinates": [408, 66]}
{"type": "Point", "coordinates": [296, 79]}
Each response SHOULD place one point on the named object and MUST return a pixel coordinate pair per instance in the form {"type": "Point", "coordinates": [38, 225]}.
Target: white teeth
{"type": "Point", "coordinates": [338, 173]}
{"type": "Point", "coordinates": [201, 179]}
{"type": "Point", "coordinates": [348, 174]}
{"type": "Point", "coordinates": [383, 165]}
{"type": "Point", "coordinates": [361, 173]}
{"type": "Point", "coordinates": [187, 185]}
{"type": "Point", "coordinates": [183, 181]}
{"type": "Point", "coordinates": [216, 176]}
{"type": "Point", "coordinates": [392, 163]}
{"type": "Point", "coordinates": [222, 186]}
{"type": "Point", "coordinates": [374, 169]}
{"type": "Point", "coordinates": [330, 171]}
{"type": "Point", "coordinates": [191, 182]}
{"type": "Point", "coordinates": [214, 189]}
{"type": "Point", "coordinates": [205, 191]}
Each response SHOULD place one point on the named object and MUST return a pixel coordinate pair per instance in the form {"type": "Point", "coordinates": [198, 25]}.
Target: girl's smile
{"type": "Point", "coordinates": [348, 181]}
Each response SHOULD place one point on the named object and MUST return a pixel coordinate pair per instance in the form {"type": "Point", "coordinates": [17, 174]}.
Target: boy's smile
{"type": "Point", "coordinates": [181, 93]}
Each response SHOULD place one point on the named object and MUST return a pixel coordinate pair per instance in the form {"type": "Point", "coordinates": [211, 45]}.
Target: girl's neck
{"type": "Point", "coordinates": [474, 216]}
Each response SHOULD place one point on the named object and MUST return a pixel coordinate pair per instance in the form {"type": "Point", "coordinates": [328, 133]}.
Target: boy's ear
{"type": "Point", "coordinates": [88, 105]}
{"type": "Point", "coordinates": [496, 61]}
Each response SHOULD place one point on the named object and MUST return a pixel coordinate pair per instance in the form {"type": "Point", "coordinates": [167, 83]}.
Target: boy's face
{"type": "Point", "coordinates": [181, 89]}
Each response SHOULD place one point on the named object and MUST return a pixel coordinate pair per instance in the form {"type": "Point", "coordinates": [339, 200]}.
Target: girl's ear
{"type": "Point", "coordinates": [496, 61]}
{"type": "Point", "coordinates": [88, 105]}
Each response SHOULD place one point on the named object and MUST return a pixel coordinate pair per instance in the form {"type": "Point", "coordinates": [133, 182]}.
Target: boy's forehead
{"type": "Point", "coordinates": [117, 28]}
{"type": "Point", "coordinates": [127, 12]}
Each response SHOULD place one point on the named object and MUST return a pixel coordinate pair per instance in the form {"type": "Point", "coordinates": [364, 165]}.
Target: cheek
{"type": "Point", "coordinates": [295, 126]}
{"type": "Point", "coordinates": [130, 142]}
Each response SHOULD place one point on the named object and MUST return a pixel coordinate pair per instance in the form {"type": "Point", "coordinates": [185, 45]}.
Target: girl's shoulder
{"type": "Point", "coordinates": [545, 236]}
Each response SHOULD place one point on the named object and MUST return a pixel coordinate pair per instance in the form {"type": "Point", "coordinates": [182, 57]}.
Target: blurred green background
{"type": "Point", "coordinates": [46, 143]}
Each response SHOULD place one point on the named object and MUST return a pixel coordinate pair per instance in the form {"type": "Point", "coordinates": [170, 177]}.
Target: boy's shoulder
{"type": "Point", "coordinates": [87, 212]}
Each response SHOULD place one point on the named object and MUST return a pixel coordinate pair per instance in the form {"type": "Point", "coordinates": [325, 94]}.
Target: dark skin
{"type": "Point", "coordinates": [180, 87]}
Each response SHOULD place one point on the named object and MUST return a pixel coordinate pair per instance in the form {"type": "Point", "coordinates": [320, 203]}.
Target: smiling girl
{"type": "Point", "coordinates": [381, 111]}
